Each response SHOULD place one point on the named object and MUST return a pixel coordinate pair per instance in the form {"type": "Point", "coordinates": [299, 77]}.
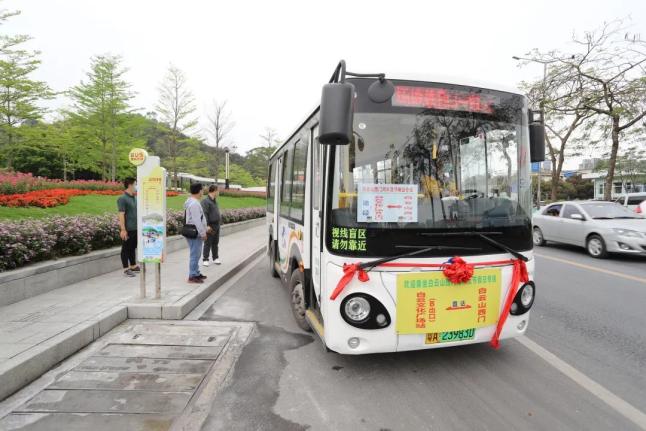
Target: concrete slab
{"type": "Point", "coordinates": [145, 365]}
{"type": "Point", "coordinates": [187, 352]}
{"type": "Point", "coordinates": [85, 422]}
{"type": "Point", "coordinates": [95, 401]}
{"type": "Point", "coordinates": [175, 339]}
{"type": "Point", "coordinates": [128, 381]}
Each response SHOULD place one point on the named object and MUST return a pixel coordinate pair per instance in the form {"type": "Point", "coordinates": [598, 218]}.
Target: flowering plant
{"type": "Point", "coordinates": [27, 241]}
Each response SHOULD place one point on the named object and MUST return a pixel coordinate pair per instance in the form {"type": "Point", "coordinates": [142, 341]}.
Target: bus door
{"type": "Point", "coordinates": [285, 225]}
{"type": "Point", "coordinates": [317, 186]}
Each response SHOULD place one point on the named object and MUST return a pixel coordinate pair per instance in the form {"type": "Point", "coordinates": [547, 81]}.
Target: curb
{"type": "Point", "coordinates": [42, 277]}
{"type": "Point", "coordinates": [186, 304]}
{"type": "Point", "coordinates": [24, 368]}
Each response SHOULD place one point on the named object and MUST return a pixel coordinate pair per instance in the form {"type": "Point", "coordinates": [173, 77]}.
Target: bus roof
{"type": "Point", "coordinates": [437, 78]}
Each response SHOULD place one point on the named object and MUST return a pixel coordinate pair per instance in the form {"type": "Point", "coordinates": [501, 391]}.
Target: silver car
{"type": "Point", "coordinates": [600, 227]}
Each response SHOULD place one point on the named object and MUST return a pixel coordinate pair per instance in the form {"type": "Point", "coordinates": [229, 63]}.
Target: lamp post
{"type": "Point", "coordinates": [226, 168]}
{"type": "Point", "coordinates": [542, 104]}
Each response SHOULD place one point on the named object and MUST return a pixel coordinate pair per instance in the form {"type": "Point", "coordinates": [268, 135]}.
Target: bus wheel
{"type": "Point", "coordinates": [272, 259]}
{"type": "Point", "coordinates": [297, 294]}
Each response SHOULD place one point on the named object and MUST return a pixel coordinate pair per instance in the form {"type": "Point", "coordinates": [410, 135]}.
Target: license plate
{"type": "Point", "coordinates": [446, 337]}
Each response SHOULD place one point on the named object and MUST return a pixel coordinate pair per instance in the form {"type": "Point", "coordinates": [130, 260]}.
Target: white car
{"type": "Point", "coordinates": [600, 227]}
{"type": "Point", "coordinates": [632, 201]}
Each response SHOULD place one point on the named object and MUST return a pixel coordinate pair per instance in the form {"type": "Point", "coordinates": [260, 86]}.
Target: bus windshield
{"type": "Point", "coordinates": [431, 170]}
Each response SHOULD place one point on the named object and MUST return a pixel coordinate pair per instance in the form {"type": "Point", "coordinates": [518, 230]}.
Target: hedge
{"type": "Point", "coordinates": [28, 241]}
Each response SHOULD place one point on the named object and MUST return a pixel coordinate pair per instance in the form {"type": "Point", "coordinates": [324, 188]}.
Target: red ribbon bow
{"type": "Point", "coordinates": [458, 271]}
{"type": "Point", "coordinates": [348, 274]}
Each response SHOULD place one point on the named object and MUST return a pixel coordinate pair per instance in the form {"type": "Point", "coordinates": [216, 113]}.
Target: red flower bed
{"type": "Point", "coordinates": [54, 197]}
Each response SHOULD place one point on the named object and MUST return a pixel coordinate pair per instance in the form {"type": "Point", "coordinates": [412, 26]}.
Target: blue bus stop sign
{"type": "Point", "coordinates": [536, 166]}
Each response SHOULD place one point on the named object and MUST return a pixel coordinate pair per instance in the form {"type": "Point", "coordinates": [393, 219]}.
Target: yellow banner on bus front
{"type": "Point", "coordinates": [428, 302]}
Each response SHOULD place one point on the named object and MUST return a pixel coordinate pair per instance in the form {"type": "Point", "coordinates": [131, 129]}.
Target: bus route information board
{"type": "Point", "coordinates": [387, 203]}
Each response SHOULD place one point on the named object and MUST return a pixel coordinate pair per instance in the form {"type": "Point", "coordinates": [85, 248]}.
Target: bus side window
{"type": "Point", "coordinates": [298, 181]}
{"type": "Point", "coordinates": [286, 182]}
{"type": "Point", "coordinates": [271, 185]}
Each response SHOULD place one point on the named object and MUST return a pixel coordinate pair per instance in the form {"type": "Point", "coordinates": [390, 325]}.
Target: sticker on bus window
{"type": "Point", "coordinates": [387, 203]}
{"type": "Point", "coordinates": [348, 239]}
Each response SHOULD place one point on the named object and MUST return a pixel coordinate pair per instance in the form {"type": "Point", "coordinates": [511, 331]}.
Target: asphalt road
{"type": "Point", "coordinates": [590, 314]}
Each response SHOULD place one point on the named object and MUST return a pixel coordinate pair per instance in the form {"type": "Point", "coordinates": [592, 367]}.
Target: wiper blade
{"type": "Point", "coordinates": [421, 250]}
{"type": "Point", "coordinates": [603, 218]}
{"type": "Point", "coordinates": [627, 217]}
{"type": "Point", "coordinates": [484, 236]}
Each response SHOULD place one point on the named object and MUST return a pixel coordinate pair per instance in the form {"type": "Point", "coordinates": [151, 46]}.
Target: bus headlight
{"type": "Point", "coordinates": [364, 311]}
{"type": "Point", "coordinates": [524, 299]}
{"type": "Point", "coordinates": [357, 309]}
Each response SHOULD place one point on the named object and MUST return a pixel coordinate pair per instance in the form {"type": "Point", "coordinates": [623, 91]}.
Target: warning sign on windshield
{"type": "Point", "coordinates": [387, 203]}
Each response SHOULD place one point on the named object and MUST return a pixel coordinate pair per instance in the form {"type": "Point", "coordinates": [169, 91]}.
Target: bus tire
{"type": "Point", "coordinates": [272, 259]}
{"type": "Point", "coordinates": [297, 299]}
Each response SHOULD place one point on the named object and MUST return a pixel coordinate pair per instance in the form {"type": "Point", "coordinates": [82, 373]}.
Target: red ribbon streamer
{"type": "Point", "coordinates": [457, 268]}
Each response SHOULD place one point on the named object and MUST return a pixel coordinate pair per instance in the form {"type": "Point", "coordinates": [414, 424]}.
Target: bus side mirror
{"type": "Point", "coordinates": [336, 114]}
{"type": "Point", "coordinates": [536, 137]}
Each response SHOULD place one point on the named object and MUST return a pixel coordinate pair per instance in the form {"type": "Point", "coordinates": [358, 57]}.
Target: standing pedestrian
{"type": "Point", "coordinates": [195, 216]}
{"type": "Point", "coordinates": [127, 207]}
{"type": "Point", "coordinates": [212, 214]}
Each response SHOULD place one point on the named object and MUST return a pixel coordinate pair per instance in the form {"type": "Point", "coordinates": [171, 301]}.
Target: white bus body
{"type": "Point", "coordinates": [307, 192]}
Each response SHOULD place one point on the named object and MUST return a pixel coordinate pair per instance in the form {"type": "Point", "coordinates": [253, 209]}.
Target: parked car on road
{"type": "Point", "coordinates": [600, 227]}
{"type": "Point", "coordinates": [631, 201]}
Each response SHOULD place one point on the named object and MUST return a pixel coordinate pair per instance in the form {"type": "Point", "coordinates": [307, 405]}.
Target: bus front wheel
{"type": "Point", "coordinates": [297, 296]}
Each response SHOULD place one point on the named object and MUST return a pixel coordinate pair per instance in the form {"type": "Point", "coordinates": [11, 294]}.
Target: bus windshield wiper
{"type": "Point", "coordinates": [484, 236]}
{"type": "Point", "coordinates": [421, 249]}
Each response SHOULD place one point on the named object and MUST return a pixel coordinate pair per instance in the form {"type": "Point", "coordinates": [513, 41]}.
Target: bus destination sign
{"type": "Point", "coordinates": [443, 99]}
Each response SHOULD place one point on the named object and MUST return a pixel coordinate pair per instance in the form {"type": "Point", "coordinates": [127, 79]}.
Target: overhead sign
{"type": "Point", "coordinates": [137, 156]}
{"type": "Point", "coordinates": [427, 302]}
{"type": "Point", "coordinates": [387, 203]}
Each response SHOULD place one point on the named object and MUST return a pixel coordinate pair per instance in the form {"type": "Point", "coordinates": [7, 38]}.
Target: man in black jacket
{"type": "Point", "coordinates": [212, 214]}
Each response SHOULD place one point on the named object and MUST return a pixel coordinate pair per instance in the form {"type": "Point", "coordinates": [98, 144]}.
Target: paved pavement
{"type": "Point", "coordinates": [144, 375]}
{"type": "Point", "coordinates": [591, 320]}
{"type": "Point", "coordinates": [39, 332]}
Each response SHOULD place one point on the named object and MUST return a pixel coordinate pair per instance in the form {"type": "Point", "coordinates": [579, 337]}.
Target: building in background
{"type": "Point", "coordinates": [623, 183]}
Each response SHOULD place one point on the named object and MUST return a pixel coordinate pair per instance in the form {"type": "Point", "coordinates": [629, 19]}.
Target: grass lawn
{"type": "Point", "coordinates": [97, 205]}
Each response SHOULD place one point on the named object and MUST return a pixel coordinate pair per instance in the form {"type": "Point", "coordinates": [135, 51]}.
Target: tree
{"type": "Point", "coordinates": [219, 126]}
{"type": "Point", "coordinates": [176, 108]}
{"type": "Point", "coordinates": [608, 75]}
{"type": "Point", "coordinates": [564, 116]}
{"type": "Point", "coordinates": [269, 138]}
{"type": "Point", "coordinates": [19, 94]}
{"type": "Point", "coordinates": [100, 105]}
{"type": "Point", "coordinates": [257, 161]}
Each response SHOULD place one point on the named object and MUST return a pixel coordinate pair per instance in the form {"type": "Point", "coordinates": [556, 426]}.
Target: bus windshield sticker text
{"type": "Point", "coordinates": [429, 303]}
{"type": "Point", "coordinates": [348, 239]}
{"type": "Point", "coordinates": [389, 203]}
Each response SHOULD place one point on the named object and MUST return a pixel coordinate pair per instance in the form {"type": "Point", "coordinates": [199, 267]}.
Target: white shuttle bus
{"type": "Point", "coordinates": [399, 214]}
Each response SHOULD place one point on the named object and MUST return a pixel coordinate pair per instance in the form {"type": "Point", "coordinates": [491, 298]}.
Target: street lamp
{"type": "Point", "coordinates": [226, 168]}
{"type": "Point", "coordinates": [541, 105]}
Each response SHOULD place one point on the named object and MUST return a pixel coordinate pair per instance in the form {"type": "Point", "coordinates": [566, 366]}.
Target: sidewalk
{"type": "Point", "coordinates": [39, 332]}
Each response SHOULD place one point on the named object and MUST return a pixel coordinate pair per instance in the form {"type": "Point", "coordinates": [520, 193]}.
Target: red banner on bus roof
{"type": "Point", "coordinates": [443, 99]}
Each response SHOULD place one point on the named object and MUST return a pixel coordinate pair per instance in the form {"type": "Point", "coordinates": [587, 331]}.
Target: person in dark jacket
{"type": "Point", "coordinates": [212, 214]}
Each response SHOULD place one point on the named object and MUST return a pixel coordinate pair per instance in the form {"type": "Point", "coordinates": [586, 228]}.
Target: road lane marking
{"type": "Point", "coordinates": [621, 406]}
{"type": "Point", "coordinates": [592, 268]}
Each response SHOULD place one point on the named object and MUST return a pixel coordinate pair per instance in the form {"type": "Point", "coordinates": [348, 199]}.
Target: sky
{"type": "Point", "coordinates": [269, 59]}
